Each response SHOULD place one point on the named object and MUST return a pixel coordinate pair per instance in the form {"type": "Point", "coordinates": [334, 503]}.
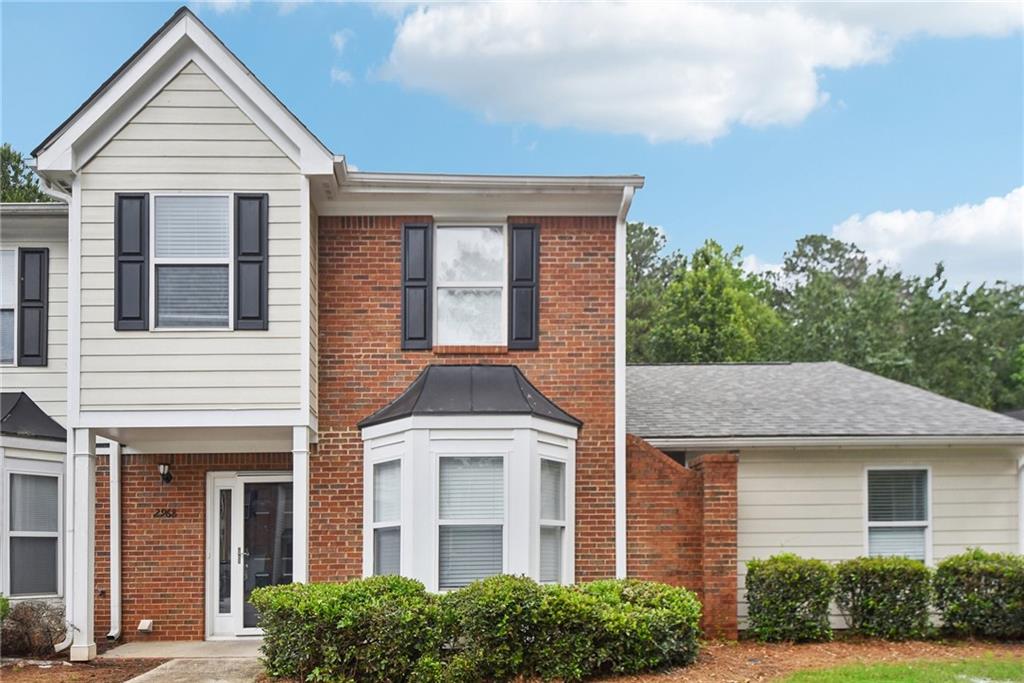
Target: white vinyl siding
{"type": "Point", "coordinates": [45, 385]}
{"type": "Point", "coordinates": [191, 139]}
{"type": "Point", "coordinates": [814, 502]}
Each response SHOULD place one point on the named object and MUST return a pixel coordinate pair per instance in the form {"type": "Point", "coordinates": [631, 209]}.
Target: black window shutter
{"type": "Point", "coordinates": [34, 268]}
{"type": "Point", "coordinates": [523, 286]}
{"type": "Point", "coordinates": [131, 261]}
{"type": "Point", "coordinates": [252, 270]}
{"type": "Point", "coordinates": [417, 282]}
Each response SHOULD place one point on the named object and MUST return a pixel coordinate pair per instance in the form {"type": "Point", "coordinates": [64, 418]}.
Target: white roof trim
{"type": "Point", "coordinates": [363, 181]}
{"type": "Point", "coordinates": [487, 422]}
{"type": "Point", "coordinates": [181, 41]}
{"type": "Point", "coordinates": [734, 443]}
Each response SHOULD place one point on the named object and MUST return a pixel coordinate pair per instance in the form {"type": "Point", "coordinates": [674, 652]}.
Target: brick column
{"type": "Point", "coordinates": [719, 557]}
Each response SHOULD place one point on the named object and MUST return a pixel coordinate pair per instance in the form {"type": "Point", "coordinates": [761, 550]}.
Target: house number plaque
{"type": "Point", "coordinates": [165, 513]}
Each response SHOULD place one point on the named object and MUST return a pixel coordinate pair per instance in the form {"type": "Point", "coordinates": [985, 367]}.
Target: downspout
{"type": "Point", "coordinates": [69, 540]}
{"type": "Point", "coordinates": [620, 382]}
{"type": "Point", "coordinates": [114, 479]}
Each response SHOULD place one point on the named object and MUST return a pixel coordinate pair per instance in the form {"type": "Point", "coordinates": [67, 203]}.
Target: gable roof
{"type": "Point", "coordinates": [182, 38]}
{"type": "Point", "coordinates": [20, 416]}
{"type": "Point", "coordinates": [470, 390]}
{"type": "Point", "coordinates": [742, 402]}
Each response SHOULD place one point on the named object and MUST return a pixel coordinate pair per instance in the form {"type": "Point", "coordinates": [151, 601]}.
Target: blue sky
{"type": "Point", "coordinates": [901, 115]}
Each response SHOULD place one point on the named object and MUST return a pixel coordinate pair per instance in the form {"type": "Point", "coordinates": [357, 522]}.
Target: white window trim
{"type": "Point", "coordinates": [8, 534]}
{"type": "Point", "coordinates": [391, 524]}
{"type": "Point", "coordinates": [489, 521]}
{"type": "Point", "coordinates": [155, 261]}
{"type": "Point", "coordinates": [562, 524]}
{"type": "Point", "coordinates": [438, 284]}
{"type": "Point", "coordinates": [926, 524]}
{"type": "Point", "coordinates": [14, 307]}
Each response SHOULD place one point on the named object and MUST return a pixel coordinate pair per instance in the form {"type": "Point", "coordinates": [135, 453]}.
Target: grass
{"type": "Point", "coordinates": [985, 670]}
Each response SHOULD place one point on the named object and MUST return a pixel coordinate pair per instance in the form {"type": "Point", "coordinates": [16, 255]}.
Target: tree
{"type": "Point", "coordinates": [17, 181]}
{"type": "Point", "coordinates": [714, 311]}
{"type": "Point", "coordinates": [648, 272]}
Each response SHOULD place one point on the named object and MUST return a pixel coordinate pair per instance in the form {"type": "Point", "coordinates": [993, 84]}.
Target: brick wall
{"type": "Point", "coordinates": [681, 527]}
{"type": "Point", "coordinates": [163, 561]}
{"type": "Point", "coordinates": [362, 367]}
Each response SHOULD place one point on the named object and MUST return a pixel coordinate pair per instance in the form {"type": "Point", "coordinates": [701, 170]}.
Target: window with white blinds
{"type": "Point", "coordinates": [552, 520]}
{"type": "Point", "coordinates": [8, 303]}
{"type": "Point", "coordinates": [192, 260]}
{"type": "Point", "coordinates": [471, 519]}
{"type": "Point", "coordinates": [898, 513]}
{"type": "Point", "coordinates": [33, 534]}
{"type": "Point", "coordinates": [387, 517]}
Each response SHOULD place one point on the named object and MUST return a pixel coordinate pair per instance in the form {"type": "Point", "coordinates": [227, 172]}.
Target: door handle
{"type": "Point", "coordinates": [239, 554]}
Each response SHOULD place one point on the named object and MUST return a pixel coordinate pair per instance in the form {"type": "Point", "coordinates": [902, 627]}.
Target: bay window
{"type": "Point", "coordinates": [33, 534]}
{"type": "Point", "coordinates": [470, 277]}
{"type": "Point", "coordinates": [192, 261]}
{"type": "Point", "coordinates": [471, 517]}
{"type": "Point", "coordinates": [387, 515]}
{"type": "Point", "coordinates": [898, 513]}
{"type": "Point", "coordinates": [552, 520]}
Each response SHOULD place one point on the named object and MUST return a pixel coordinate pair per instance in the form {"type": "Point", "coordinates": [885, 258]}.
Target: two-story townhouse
{"type": "Point", "coordinates": [313, 373]}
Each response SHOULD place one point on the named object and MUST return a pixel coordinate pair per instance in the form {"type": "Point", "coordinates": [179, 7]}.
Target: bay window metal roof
{"type": "Point", "coordinates": [470, 390]}
{"type": "Point", "coordinates": [20, 416]}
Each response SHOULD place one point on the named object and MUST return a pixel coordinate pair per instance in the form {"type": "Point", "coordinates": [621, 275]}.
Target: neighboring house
{"type": "Point", "coordinates": [831, 462]}
{"type": "Point", "coordinates": [301, 372]}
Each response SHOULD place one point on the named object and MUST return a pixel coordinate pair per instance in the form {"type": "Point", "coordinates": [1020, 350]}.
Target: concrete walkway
{"type": "Point", "coordinates": [188, 649]}
{"type": "Point", "coordinates": [206, 661]}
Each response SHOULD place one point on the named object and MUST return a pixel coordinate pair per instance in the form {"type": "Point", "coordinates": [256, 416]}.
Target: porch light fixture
{"type": "Point", "coordinates": [165, 472]}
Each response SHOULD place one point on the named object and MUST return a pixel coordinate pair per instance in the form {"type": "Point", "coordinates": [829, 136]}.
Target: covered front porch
{"type": "Point", "coordinates": [174, 528]}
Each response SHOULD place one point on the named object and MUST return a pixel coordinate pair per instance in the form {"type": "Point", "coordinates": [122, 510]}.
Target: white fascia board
{"type": "Point", "coordinates": [837, 442]}
{"type": "Point", "coordinates": [187, 40]}
{"type": "Point", "coordinates": [473, 422]}
{"type": "Point", "coordinates": [26, 444]}
{"type": "Point", "coordinates": [193, 418]}
{"type": "Point", "coordinates": [365, 181]}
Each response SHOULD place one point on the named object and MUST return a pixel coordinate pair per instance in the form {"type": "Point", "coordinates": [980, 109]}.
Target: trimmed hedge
{"type": "Point", "coordinates": [788, 598]}
{"type": "Point", "coordinates": [982, 594]}
{"type": "Point", "coordinates": [884, 597]}
{"type": "Point", "coordinates": [391, 629]}
{"type": "Point", "coordinates": [5, 607]}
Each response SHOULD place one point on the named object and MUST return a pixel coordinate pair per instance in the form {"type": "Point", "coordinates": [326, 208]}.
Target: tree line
{"type": "Point", "coordinates": [827, 302]}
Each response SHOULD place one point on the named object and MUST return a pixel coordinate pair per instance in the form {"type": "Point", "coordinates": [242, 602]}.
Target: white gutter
{"type": "Point", "coordinates": [364, 180]}
{"type": "Point", "coordinates": [620, 379]}
{"type": "Point", "coordinates": [839, 442]}
{"type": "Point", "coordinates": [114, 480]}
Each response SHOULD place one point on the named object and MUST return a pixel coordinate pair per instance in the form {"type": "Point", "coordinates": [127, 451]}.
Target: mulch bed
{"type": "Point", "coordinates": [749, 661]}
{"type": "Point", "coordinates": [59, 670]}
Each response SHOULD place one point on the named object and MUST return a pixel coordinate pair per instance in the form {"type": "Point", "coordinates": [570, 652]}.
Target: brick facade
{"type": "Point", "coordinates": [362, 367]}
{"type": "Point", "coordinates": [163, 560]}
{"type": "Point", "coordinates": [681, 527]}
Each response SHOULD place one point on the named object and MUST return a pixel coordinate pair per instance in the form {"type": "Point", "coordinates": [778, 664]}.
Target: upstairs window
{"type": "Point", "coordinates": [192, 261]}
{"type": "Point", "coordinates": [898, 515]}
{"type": "Point", "coordinates": [470, 276]}
{"type": "Point", "coordinates": [8, 303]}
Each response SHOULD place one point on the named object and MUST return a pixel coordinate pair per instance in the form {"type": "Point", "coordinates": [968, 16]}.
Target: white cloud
{"type": "Point", "coordinates": [339, 39]}
{"type": "Point", "coordinates": [289, 6]}
{"type": "Point", "coordinates": [679, 71]}
{"type": "Point", "coordinates": [752, 264]}
{"type": "Point", "coordinates": [341, 76]}
{"type": "Point", "coordinates": [223, 6]}
{"type": "Point", "coordinates": [977, 242]}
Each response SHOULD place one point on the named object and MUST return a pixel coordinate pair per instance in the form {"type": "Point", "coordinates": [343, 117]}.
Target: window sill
{"type": "Point", "coordinates": [467, 350]}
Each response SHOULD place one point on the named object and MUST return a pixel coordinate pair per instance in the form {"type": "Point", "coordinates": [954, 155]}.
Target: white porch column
{"type": "Point", "coordinates": [83, 647]}
{"type": "Point", "coordinates": [300, 504]}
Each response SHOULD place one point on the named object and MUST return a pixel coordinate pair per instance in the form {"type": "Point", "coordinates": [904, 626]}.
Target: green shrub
{"type": "Point", "coordinates": [569, 628]}
{"type": "Point", "coordinates": [884, 597]}
{"type": "Point", "coordinates": [374, 629]}
{"type": "Point", "coordinates": [788, 598]}
{"type": "Point", "coordinates": [981, 594]}
{"type": "Point", "coordinates": [644, 625]}
{"type": "Point", "coordinates": [5, 607]}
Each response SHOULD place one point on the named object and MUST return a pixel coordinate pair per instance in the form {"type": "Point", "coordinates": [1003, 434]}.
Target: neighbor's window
{"type": "Point", "coordinates": [470, 290]}
{"type": "Point", "coordinates": [387, 515]}
{"type": "Point", "coordinates": [8, 299]}
{"type": "Point", "coordinates": [898, 513]}
{"type": "Point", "coordinates": [34, 534]}
{"type": "Point", "coordinates": [192, 260]}
{"type": "Point", "coordinates": [471, 519]}
{"type": "Point", "coordinates": [552, 520]}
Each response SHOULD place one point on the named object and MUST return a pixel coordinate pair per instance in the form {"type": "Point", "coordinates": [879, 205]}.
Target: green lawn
{"type": "Point", "coordinates": [987, 670]}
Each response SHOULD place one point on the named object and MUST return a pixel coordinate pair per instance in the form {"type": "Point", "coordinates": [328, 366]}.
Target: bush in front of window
{"type": "Point", "coordinates": [644, 625]}
{"type": "Point", "coordinates": [788, 598]}
{"type": "Point", "coordinates": [981, 594]}
{"type": "Point", "coordinates": [374, 629]}
{"type": "Point", "coordinates": [31, 628]}
{"type": "Point", "coordinates": [884, 597]}
{"type": "Point", "coordinates": [5, 607]}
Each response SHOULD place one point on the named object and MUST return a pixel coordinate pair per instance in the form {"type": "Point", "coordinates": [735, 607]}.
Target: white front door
{"type": "Point", "coordinates": [249, 530]}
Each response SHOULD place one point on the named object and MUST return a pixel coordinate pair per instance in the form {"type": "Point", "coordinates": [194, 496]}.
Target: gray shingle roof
{"type": "Point", "coordinates": [793, 400]}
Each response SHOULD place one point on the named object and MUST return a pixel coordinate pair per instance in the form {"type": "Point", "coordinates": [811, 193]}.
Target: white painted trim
{"type": "Point", "coordinates": [300, 504]}
{"type": "Point", "coordinates": [74, 350]}
{"type": "Point", "coordinates": [368, 181]}
{"type": "Point", "coordinates": [305, 312]}
{"type": "Point", "coordinates": [84, 547]}
{"type": "Point", "coordinates": [463, 422]}
{"type": "Point", "coordinates": [35, 468]}
{"type": "Point", "coordinates": [286, 417]}
{"type": "Point", "coordinates": [41, 445]}
{"type": "Point", "coordinates": [620, 382]}
{"type": "Point", "coordinates": [114, 481]}
{"type": "Point", "coordinates": [839, 442]}
{"type": "Point", "coordinates": [927, 525]}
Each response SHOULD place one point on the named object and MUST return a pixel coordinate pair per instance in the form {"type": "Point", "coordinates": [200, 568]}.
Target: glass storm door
{"type": "Point", "coordinates": [251, 546]}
